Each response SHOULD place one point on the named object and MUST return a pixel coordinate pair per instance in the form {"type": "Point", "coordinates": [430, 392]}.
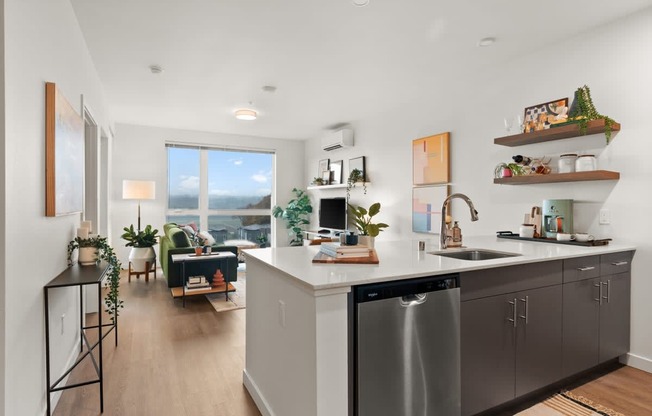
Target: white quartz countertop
{"type": "Point", "coordinates": [402, 260]}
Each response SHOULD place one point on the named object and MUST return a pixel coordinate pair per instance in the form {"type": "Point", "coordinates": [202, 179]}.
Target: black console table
{"type": "Point", "coordinates": [80, 276]}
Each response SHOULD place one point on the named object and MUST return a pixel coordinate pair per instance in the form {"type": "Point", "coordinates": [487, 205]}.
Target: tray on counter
{"type": "Point", "coordinates": [515, 236]}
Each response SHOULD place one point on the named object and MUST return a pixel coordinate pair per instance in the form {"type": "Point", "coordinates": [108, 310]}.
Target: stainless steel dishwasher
{"type": "Point", "coordinates": [407, 348]}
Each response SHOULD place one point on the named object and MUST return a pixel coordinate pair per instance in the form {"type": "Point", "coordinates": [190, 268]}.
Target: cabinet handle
{"type": "Point", "coordinates": [608, 284]}
{"type": "Point", "coordinates": [599, 286]}
{"type": "Point", "coordinates": [619, 263]}
{"type": "Point", "coordinates": [586, 268]}
{"type": "Point", "coordinates": [526, 300]}
{"type": "Point", "coordinates": [513, 320]}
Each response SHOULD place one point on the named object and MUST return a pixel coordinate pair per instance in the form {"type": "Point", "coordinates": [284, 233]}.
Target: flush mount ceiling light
{"type": "Point", "coordinates": [484, 42]}
{"type": "Point", "coordinates": [268, 88]}
{"type": "Point", "coordinates": [360, 3]}
{"type": "Point", "coordinates": [245, 114]}
{"type": "Point", "coordinates": [155, 69]}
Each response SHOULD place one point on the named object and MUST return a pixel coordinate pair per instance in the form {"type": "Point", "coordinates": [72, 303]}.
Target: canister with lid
{"type": "Point", "coordinates": [585, 163]}
{"type": "Point", "coordinates": [567, 163]}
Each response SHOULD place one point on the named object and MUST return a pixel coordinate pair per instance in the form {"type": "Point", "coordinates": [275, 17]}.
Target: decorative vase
{"type": "Point", "coordinates": [140, 256]}
{"type": "Point", "coordinates": [87, 256]}
{"type": "Point", "coordinates": [366, 240]}
{"type": "Point", "coordinates": [199, 250]}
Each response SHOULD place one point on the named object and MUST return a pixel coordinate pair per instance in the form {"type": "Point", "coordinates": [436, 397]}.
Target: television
{"type": "Point", "coordinates": [332, 213]}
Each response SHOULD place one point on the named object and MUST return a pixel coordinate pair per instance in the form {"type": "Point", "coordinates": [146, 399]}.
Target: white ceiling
{"type": "Point", "coordinates": [331, 61]}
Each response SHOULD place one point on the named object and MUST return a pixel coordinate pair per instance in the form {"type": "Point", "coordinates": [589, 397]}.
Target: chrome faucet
{"type": "Point", "coordinates": [443, 236]}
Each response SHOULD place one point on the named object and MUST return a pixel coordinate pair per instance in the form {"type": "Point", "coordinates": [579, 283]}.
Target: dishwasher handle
{"type": "Point", "coordinates": [413, 299]}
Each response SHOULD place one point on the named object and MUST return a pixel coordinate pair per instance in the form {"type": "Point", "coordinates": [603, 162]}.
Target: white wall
{"type": "Point", "coordinates": [614, 60]}
{"type": "Point", "coordinates": [43, 42]}
{"type": "Point", "coordinates": [139, 153]}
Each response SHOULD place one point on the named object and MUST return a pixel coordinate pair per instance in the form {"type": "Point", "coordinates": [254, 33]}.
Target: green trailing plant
{"type": "Point", "coordinates": [105, 253]}
{"type": "Point", "coordinates": [355, 176]}
{"type": "Point", "coordinates": [145, 238]}
{"type": "Point", "coordinates": [297, 214]}
{"type": "Point", "coordinates": [583, 110]}
{"type": "Point", "coordinates": [363, 218]}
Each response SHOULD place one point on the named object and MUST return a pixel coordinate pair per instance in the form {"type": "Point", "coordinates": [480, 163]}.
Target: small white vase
{"type": "Point", "coordinates": [139, 256]}
{"type": "Point", "coordinates": [87, 256]}
{"type": "Point", "coordinates": [366, 240]}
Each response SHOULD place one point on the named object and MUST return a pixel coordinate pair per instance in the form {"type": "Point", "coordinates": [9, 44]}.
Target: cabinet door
{"type": "Point", "coordinates": [487, 338]}
{"type": "Point", "coordinates": [614, 316]}
{"type": "Point", "coordinates": [580, 326]}
{"type": "Point", "coordinates": [538, 338]}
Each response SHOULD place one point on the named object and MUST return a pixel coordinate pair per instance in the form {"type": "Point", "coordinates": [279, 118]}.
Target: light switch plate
{"type": "Point", "coordinates": [605, 216]}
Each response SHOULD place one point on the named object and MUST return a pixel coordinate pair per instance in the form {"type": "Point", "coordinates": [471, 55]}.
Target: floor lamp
{"type": "Point", "coordinates": [139, 190]}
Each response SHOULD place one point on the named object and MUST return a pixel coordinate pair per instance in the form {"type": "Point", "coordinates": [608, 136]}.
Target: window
{"type": "Point", "coordinates": [227, 192]}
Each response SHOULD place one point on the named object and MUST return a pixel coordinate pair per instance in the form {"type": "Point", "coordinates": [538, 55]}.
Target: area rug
{"type": "Point", "coordinates": [568, 404]}
{"type": "Point", "coordinates": [237, 299]}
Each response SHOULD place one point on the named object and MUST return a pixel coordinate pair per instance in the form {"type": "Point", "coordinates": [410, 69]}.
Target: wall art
{"type": "Point", "coordinates": [430, 160]}
{"type": "Point", "coordinates": [542, 116]}
{"type": "Point", "coordinates": [426, 208]}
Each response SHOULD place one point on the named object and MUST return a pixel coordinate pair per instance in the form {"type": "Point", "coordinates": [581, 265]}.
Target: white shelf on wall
{"type": "Point", "coordinates": [336, 186]}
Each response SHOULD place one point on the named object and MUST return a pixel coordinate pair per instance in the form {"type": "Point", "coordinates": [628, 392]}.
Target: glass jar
{"type": "Point", "coordinates": [567, 163]}
{"type": "Point", "coordinates": [585, 163]}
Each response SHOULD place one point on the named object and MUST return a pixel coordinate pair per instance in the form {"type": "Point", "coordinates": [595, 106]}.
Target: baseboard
{"type": "Point", "coordinates": [636, 361]}
{"type": "Point", "coordinates": [255, 393]}
{"type": "Point", "coordinates": [54, 398]}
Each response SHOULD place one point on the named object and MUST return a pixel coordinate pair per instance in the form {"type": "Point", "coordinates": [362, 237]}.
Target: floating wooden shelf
{"type": "Point", "coordinates": [336, 186]}
{"type": "Point", "coordinates": [594, 175]}
{"type": "Point", "coordinates": [555, 133]}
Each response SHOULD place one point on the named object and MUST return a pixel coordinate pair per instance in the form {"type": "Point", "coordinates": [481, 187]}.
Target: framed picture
{"type": "Point", "coordinates": [326, 176]}
{"type": "Point", "coordinates": [323, 166]}
{"type": "Point", "coordinates": [358, 163]}
{"type": "Point", "coordinates": [336, 168]}
{"type": "Point", "coordinates": [426, 208]}
{"type": "Point", "coordinates": [64, 155]}
{"type": "Point", "coordinates": [542, 116]}
{"type": "Point", "coordinates": [430, 160]}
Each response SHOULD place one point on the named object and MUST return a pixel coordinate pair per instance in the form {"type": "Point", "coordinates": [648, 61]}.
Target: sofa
{"type": "Point", "coordinates": [176, 241]}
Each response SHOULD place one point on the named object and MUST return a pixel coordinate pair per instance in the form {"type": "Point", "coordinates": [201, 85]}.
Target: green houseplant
{"type": "Point", "coordinates": [364, 225]}
{"type": "Point", "coordinates": [355, 176]}
{"type": "Point", "coordinates": [583, 110]}
{"type": "Point", "coordinates": [141, 243]}
{"type": "Point", "coordinates": [102, 251]}
{"type": "Point", "coordinates": [297, 214]}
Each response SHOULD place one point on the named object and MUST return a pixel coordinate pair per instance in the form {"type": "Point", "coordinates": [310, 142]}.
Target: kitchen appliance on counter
{"type": "Point", "coordinates": [407, 347]}
{"type": "Point", "coordinates": [557, 217]}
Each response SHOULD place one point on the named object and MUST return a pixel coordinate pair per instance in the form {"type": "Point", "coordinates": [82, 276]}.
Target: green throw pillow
{"type": "Point", "coordinates": [179, 238]}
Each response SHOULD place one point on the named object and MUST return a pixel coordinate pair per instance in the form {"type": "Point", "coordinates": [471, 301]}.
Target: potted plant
{"type": "Point", "coordinates": [297, 214]}
{"type": "Point", "coordinates": [355, 176]}
{"type": "Point", "coordinates": [318, 181]}
{"type": "Point", "coordinates": [368, 230]}
{"type": "Point", "coordinates": [98, 249]}
{"type": "Point", "coordinates": [583, 110]}
{"type": "Point", "coordinates": [262, 240]}
{"type": "Point", "coordinates": [141, 243]}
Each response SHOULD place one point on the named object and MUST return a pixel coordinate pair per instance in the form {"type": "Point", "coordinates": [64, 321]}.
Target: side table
{"type": "Point", "coordinates": [219, 257]}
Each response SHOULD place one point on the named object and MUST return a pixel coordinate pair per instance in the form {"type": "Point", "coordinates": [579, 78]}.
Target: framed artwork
{"type": "Point", "coordinates": [426, 208]}
{"type": "Point", "coordinates": [430, 160]}
{"type": "Point", "coordinates": [326, 177]}
{"type": "Point", "coordinates": [336, 168]}
{"type": "Point", "coordinates": [323, 165]}
{"type": "Point", "coordinates": [358, 163]}
{"type": "Point", "coordinates": [542, 116]}
{"type": "Point", "coordinates": [64, 155]}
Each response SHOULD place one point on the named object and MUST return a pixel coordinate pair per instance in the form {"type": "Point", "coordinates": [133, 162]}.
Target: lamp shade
{"type": "Point", "coordinates": [138, 189]}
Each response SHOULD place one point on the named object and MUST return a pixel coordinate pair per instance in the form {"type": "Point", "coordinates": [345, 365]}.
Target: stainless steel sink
{"type": "Point", "coordinates": [474, 254]}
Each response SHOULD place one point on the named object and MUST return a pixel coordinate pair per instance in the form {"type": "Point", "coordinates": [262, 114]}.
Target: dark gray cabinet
{"type": "Point", "coordinates": [581, 326]}
{"type": "Point", "coordinates": [614, 316]}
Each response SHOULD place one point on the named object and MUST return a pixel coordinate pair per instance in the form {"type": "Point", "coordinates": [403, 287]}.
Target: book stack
{"type": "Point", "coordinates": [197, 283]}
{"type": "Point", "coordinates": [339, 251]}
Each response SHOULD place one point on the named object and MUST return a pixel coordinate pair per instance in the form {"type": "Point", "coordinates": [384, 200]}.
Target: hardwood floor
{"type": "Point", "coordinates": [175, 361]}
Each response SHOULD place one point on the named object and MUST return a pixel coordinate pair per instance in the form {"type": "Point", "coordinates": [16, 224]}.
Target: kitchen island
{"type": "Point", "coordinates": [298, 333]}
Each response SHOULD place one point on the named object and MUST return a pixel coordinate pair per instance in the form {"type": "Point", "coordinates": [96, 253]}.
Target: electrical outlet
{"type": "Point", "coordinates": [605, 216]}
{"type": "Point", "coordinates": [281, 313]}
{"type": "Point", "coordinates": [63, 320]}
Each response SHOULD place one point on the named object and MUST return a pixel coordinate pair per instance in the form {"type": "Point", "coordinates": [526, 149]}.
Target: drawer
{"type": "Point", "coordinates": [581, 268]}
{"type": "Point", "coordinates": [616, 263]}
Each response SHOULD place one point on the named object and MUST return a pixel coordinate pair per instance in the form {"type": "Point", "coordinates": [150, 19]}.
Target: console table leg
{"type": "Point", "coordinates": [99, 329]}
{"type": "Point", "coordinates": [47, 350]}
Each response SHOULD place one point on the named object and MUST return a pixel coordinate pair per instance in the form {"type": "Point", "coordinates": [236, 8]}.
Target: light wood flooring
{"type": "Point", "coordinates": [189, 362]}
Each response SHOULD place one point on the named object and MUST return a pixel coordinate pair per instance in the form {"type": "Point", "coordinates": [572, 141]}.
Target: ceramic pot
{"type": "Point", "coordinates": [87, 256]}
{"type": "Point", "coordinates": [366, 240]}
{"type": "Point", "coordinates": [139, 256]}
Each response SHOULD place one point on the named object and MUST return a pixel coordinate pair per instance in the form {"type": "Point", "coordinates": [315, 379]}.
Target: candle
{"type": "Point", "coordinates": [86, 224]}
{"type": "Point", "coordinates": [82, 232]}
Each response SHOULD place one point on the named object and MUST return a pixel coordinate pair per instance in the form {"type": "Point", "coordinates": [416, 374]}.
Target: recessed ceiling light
{"type": "Point", "coordinates": [268, 88]}
{"type": "Point", "coordinates": [360, 3]}
{"type": "Point", "coordinates": [245, 114]}
{"type": "Point", "coordinates": [484, 42]}
{"type": "Point", "coordinates": [155, 69]}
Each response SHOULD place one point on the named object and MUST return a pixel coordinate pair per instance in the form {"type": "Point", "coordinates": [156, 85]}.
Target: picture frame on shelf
{"type": "Point", "coordinates": [326, 177]}
{"type": "Point", "coordinates": [542, 116]}
{"type": "Point", "coordinates": [358, 163]}
{"type": "Point", "coordinates": [430, 160]}
{"type": "Point", "coordinates": [324, 165]}
{"type": "Point", "coordinates": [336, 168]}
{"type": "Point", "coordinates": [426, 208]}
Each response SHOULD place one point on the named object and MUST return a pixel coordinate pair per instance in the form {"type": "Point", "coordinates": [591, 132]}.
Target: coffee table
{"type": "Point", "coordinates": [219, 257]}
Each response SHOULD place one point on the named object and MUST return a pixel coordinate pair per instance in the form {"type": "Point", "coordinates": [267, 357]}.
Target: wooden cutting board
{"type": "Point", "coordinates": [323, 258]}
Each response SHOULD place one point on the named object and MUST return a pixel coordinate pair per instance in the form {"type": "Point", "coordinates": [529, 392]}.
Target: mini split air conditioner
{"type": "Point", "coordinates": [337, 139]}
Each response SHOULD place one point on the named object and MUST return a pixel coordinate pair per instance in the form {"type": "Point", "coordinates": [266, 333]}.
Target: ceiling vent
{"type": "Point", "coordinates": [337, 140]}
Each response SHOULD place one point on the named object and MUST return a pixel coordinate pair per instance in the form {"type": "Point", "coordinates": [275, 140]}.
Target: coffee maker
{"type": "Point", "coordinates": [557, 217]}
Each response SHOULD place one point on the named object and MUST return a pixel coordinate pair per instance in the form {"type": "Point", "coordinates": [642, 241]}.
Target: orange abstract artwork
{"type": "Point", "coordinates": [430, 159]}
